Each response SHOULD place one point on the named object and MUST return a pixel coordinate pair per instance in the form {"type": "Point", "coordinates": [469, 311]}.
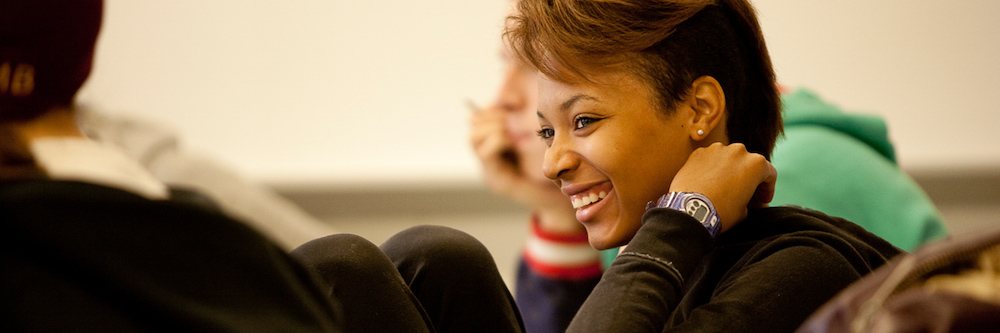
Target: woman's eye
{"type": "Point", "coordinates": [546, 133]}
{"type": "Point", "coordinates": [581, 122]}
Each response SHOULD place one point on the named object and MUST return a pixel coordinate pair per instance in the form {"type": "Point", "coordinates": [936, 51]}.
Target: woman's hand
{"type": "Point", "coordinates": [732, 178]}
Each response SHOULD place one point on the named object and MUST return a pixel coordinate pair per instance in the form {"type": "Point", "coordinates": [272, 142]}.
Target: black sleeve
{"type": "Point", "coordinates": [643, 285]}
{"type": "Point", "coordinates": [775, 289]}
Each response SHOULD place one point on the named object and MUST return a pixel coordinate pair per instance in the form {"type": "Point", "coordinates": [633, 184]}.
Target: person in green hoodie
{"type": "Point", "coordinates": [843, 164]}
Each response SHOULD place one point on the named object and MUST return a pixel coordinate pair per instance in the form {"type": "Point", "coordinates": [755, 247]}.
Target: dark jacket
{"type": "Point", "coordinates": [82, 257]}
{"type": "Point", "coordinates": [767, 274]}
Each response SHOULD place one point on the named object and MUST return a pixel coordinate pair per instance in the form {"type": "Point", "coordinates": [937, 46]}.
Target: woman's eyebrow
{"type": "Point", "coordinates": [569, 103]}
{"type": "Point", "coordinates": [572, 100]}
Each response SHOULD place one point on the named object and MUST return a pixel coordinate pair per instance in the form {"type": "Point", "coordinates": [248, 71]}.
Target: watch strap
{"type": "Point", "coordinates": [694, 204]}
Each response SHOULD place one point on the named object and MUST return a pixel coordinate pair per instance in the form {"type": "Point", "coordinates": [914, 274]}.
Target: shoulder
{"type": "Point", "coordinates": [773, 222]}
{"type": "Point", "coordinates": [127, 251]}
{"type": "Point", "coordinates": [792, 229]}
{"type": "Point", "coordinates": [793, 248]}
{"type": "Point", "coordinates": [79, 212]}
{"type": "Point", "coordinates": [29, 190]}
{"type": "Point", "coordinates": [776, 221]}
{"type": "Point", "coordinates": [770, 272]}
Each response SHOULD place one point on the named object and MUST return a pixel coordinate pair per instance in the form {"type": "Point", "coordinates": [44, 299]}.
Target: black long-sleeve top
{"type": "Point", "coordinates": [767, 274]}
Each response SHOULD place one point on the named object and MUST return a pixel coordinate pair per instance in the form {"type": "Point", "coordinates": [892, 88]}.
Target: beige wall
{"type": "Point", "coordinates": [928, 66]}
{"type": "Point", "coordinates": [366, 92]}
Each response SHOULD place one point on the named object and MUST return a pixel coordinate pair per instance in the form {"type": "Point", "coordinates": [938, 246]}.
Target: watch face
{"type": "Point", "coordinates": [697, 208]}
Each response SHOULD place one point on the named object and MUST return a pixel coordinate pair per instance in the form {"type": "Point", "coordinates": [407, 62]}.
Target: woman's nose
{"type": "Point", "coordinates": [559, 160]}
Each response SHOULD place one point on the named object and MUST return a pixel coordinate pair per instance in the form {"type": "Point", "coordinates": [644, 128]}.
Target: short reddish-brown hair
{"type": "Point", "coordinates": [669, 43]}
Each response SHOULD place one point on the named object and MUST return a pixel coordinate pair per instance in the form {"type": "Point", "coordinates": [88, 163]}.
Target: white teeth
{"type": "Point", "coordinates": [588, 199]}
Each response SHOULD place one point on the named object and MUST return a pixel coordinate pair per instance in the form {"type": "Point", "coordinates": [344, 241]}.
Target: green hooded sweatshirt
{"type": "Point", "coordinates": [844, 165]}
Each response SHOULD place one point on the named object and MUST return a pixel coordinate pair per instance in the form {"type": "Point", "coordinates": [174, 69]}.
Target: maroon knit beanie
{"type": "Point", "coordinates": [46, 51]}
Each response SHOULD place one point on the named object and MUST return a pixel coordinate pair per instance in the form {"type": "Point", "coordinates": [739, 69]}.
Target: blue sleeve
{"type": "Point", "coordinates": [548, 305]}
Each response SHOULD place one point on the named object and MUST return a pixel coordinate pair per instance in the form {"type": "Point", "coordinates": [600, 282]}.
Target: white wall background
{"type": "Point", "coordinates": [931, 68]}
{"type": "Point", "coordinates": [361, 92]}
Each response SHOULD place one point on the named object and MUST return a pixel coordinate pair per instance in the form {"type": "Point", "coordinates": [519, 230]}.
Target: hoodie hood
{"type": "Point", "coordinates": [803, 107]}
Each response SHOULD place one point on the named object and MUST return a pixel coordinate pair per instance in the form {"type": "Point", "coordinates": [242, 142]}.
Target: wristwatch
{"type": "Point", "coordinates": [694, 204]}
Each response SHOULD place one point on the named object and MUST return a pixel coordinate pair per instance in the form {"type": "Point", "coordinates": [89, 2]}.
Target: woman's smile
{"type": "Point", "coordinates": [590, 201]}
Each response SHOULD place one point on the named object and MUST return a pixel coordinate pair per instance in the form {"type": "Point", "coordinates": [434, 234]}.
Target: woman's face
{"type": "Point", "coordinates": [609, 141]}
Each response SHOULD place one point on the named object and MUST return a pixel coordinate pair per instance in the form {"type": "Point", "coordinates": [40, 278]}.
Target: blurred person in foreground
{"type": "Point", "coordinates": [92, 241]}
{"type": "Point", "coordinates": [161, 152]}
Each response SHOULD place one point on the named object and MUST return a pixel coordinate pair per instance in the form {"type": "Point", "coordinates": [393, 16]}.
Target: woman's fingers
{"type": "Point", "coordinates": [730, 177]}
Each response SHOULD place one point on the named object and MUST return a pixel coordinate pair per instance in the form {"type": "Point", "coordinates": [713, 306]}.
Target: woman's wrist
{"type": "Point", "coordinates": [695, 204]}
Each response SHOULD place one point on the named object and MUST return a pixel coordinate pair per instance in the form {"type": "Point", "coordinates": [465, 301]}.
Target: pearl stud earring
{"type": "Point", "coordinates": [701, 132]}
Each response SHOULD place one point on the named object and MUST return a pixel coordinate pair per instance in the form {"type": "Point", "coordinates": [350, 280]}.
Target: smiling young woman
{"type": "Point", "coordinates": [601, 141]}
{"type": "Point", "coordinates": [659, 118]}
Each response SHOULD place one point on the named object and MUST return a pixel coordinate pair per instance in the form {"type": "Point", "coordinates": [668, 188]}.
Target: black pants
{"type": "Point", "coordinates": [423, 279]}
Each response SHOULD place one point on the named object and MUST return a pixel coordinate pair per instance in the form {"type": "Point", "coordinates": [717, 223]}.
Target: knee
{"type": "Point", "coordinates": [437, 245]}
{"type": "Point", "coordinates": [334, 254]}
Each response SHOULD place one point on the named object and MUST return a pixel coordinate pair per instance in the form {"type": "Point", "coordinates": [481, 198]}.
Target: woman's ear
{"type": "Point", "coordinates": [709, 104]}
